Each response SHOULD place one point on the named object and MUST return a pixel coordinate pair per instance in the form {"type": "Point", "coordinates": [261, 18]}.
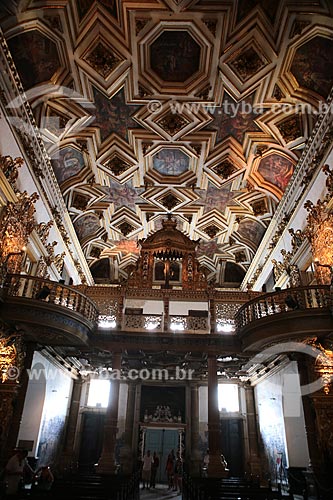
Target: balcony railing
{"type": "Point", "coordinates": [291, 299]}
{"type": "Point", "coordinates": [32, 287]}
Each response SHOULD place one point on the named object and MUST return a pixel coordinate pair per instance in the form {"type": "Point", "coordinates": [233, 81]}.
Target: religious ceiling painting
{"type": "Point", "coordinates": [277, 170]}
{"type": "Point", "coordinates": [251, 230]}
{"type": "Point", "coordinates": [35, 56]}
{"type": "Point", "coordinates": [111, 6]}
{"type": "Point", "coordinates": [171, 161]}
{"type": "Point", "coordinates": [113, 115]}
{"type": "Point", "coordinates": [121, 194]}
{"type": "Point", "coordinates": [87, 226]}
{"type": "Point", "coordinates": [217, 198]}
{"type": "Point", "coordinates": [233, 118]}
{"type": "Point", "coordinates": [68, 162]}
{"type": "Point", "coordinates": [149, 108]}
{"type": "Point", "coordinates": [175, 56]}
{"type": "Point", "coordinates": [312, 65]}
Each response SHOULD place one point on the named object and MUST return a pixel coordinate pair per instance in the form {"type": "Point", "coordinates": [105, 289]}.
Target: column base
{"type": "Point", "coordinates": [255, 467]}
{"type": "Point", "coordinates": [215, 467]}
{"type": "Point", "coordinates": [107, 465]}
{"type": "Point", "coordinates": [126, 459]}
{"type": "Point", "coordinates": [68, 464]}
{"type": "Point", "coordinates": [195, 462]}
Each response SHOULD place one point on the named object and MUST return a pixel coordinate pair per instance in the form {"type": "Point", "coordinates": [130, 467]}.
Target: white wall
{"type": "Point", "coordinates": [281, 419]}
{"type": "Point", "coordinates": [46, 406]}
{"type": "Point", "coordinates": [182, 308]}
{"type": "Point", "coordinates": [148, 306]}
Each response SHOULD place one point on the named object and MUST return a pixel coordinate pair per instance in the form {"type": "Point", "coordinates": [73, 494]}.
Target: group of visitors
{"type": "Point", "coordinates": [173, 468]}
{"type": "Point", "coordinates": [149, 470]}
{"type": "Point", "coordinates": [18, 472]}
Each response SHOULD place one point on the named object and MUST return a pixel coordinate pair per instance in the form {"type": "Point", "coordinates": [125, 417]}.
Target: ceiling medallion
{"type": "Point", "coordinates": [102, 60]}
{"type": "Point", "coordinates": [224, 169]}
{"type": "Point", "coordinates": [172, 123]}
{"type": "Point", "coordinates": [95, 252]}
{"type": "Point", "coordinates": [125, 228]}
{"type": "Point", "coordinates": [80, 201]}
{"type": "Point", "coordinates": [169, 201]}
{"type": "Point", "coordinates": [247, 63]}
{"type": "Point", "coordinates": [291, 128]}
{"type": "Point", "coordinates": [211, 230]}
{"type": "Point", "coordinates": [175, 56]}
{"type": "Point", "coordinates": [117, 165]}
{"type": "Point", "coordinates": [240, 256]}
{"type": "Point", "coordinates": [259, 207]}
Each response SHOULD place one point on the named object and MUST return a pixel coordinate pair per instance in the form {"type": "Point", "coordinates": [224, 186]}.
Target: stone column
{"type": "Point", "coordinates": [107, 462]}
{"type": "Point", "coordinates": [215, 467]}
{"type": "Point", "coordinates": [166, 327]}
{"type": "Point", "coordinates": [253, 465]}
{"type": "Point", "coordinates": [195, 453]}
{"type": "Point", "coordinates": [304, 369]}
{"type": "Point", "coordinates": [69, 458]}
{"type": "Point", "coordinates": [126, 451]}
{"type": "Point", "coordinates": [212, 315]}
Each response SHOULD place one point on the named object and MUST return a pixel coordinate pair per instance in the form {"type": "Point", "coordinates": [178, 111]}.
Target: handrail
{"type": "Point", "coordinates": [290, 299]}
{"type": "Point", "coordinates": [52, 292]}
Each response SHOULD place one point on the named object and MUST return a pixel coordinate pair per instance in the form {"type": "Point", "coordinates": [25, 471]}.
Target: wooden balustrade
{"type": "Point", "coordinates": [32, 287]}
{"type": "Point", "coordinates": [291, 299]}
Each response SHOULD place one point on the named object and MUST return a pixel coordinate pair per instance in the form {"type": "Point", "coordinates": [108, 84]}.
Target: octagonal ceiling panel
{"type": "Point", "coordinates": [316, 72]}
{"type": "Point", "coordinates": [36, 57]}
{"type": "Point", "coordinates": [172, 106]}
{"type": "Point", "coordinates": [171, 161]}
{"type": "Point", "coordinates": [175, 56]}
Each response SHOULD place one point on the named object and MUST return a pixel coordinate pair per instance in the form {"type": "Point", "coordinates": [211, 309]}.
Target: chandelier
{"type": "Point", "coordinates": [7, 358]}
{"type": "Point", "coordinates": [324, 367]}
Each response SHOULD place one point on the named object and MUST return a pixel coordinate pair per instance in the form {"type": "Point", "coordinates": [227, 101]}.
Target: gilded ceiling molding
{"type": "Point", "coordinates": [17, 222]}
{"type": "Point", "coordinates": [10, 168]}
{"type": "Point", "coordinates": [14, 98]}
{"type": "Point", "coordinates": [315, 151]}
{"type": "Point", "coordinates": [319, 231]}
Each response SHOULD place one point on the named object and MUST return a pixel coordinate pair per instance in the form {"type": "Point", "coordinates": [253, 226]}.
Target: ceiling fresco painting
{"type": "Point", "coordinates": [234, 119]}
{"type": "Point", "coordinates": [170, 161]}
{"type": "Point", "coordinates": [68, 162]}
{"type": "Point", "coordinates": [36, 57]}
{"type": "Point", "coordinates": [175, 56]}
{"type": "Point", "coordinates": [315, 72]}
{"type": "Point", "coordinates": [111, 6]}
{"type": "Point", "coordinates": [199, 109]}
{"type": "Point", "coordinates": [277, 170]}
{"type": "Point", "coordinates": [113, 115]}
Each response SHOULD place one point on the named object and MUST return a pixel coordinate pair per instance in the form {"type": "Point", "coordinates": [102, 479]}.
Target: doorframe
{"type": "Point", "coordinates": [143, 426]}
{"type": "Point", "coordinates": [162, 426]}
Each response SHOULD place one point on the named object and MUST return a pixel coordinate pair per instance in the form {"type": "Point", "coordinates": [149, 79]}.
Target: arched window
{"type": "Point", "coordinates": [159, 271]}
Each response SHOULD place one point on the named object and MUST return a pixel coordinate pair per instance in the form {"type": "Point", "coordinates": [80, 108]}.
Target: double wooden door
{"type": "Point", "coordinates": [162, 441]}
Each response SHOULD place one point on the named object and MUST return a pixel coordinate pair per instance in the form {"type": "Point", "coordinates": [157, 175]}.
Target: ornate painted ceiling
{"type": "Point", "coordinates": [198, 108]}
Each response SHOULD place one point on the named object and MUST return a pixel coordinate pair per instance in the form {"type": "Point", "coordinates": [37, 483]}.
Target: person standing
{"type": "Point", "coordinates": [170, 469]}
{"type": "Point", "coordinates": [154, 467]}
{"type": "Point", "coordinates": [14, 470]}
{"type": "Point", "coordinates": [146, 470]}
{"type": "Point", "coordinates": [178, 473]}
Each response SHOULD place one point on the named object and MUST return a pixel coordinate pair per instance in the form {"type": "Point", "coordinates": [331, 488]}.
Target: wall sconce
{"type": "Point", "coordinates": [4, 265]}
{"type": "Point", "coordinates": [7, 358]}
{"type": "Point", "coordinates": [324, 367]}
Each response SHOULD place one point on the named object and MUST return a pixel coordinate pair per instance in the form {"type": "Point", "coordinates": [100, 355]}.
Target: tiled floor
{"type": "Point", "coordinates": [160, 492]}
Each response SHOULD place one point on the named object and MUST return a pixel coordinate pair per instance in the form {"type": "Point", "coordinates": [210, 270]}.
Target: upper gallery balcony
{"type": "Point", "coordinates": [286, 314]}
{"type": "Point", "coordinates": [49, 312]}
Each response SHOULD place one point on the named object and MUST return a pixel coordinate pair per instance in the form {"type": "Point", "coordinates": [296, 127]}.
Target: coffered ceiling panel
{"type": "Point", "coordinates": [198, 108]}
